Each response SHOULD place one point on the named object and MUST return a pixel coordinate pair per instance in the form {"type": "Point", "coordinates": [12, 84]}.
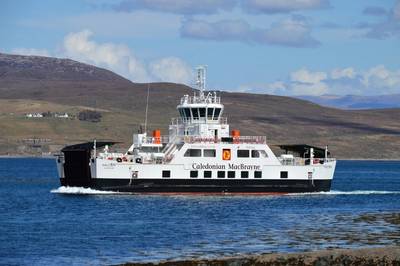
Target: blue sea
{"type": "Point", "coordinates": [41, 223]}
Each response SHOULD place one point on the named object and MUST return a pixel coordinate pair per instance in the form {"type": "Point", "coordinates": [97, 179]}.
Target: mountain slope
{"type": "Point", "coordinates": [71, 85]}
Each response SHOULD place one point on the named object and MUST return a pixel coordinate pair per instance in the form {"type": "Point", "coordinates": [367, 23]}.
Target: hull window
{"type": "Point", "coordinates": [194, 174]}
{"type": "Point", "coordinates": [166, 174]}
{"type": "Point", "coordinates": [207, 174]}
{"type": "Point", "coordinates": [244, 174]}
{"type": "Point", "coordinates": [221, 174]}
{"type": "Point", "coordinates": [231, 174]}
{"type": "Point", "coordinates": [284, 174]}
{"type": "Point", "coordinates": [257, 174]}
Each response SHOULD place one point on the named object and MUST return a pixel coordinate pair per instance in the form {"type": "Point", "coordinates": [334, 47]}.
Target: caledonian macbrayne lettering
{"type": "Point", "coordinates": [230, 166]}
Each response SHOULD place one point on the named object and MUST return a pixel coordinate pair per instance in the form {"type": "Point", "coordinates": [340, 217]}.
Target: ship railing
{"type": "Point", "coordinates": [210, 98]}
{"type": "Point", "coordinates": [227, 140]}
{"type": "Point", "coordinates": [299, 161]}
{"type": "Point", "coordinates": [200, 120]}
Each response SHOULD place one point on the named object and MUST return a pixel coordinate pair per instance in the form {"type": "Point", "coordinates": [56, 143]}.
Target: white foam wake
{"type": "Point", "coordinates": [80, 190]}
{"type": "Point", "coordinates": [354, 192]}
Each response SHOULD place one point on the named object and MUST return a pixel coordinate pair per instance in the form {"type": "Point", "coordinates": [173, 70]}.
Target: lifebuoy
{"type": "Point", "coordinates": [138, 160]}
{"type": "Point", "coordinates": [119, 160]}
{"type": "Point", "coordinates": [226, 154]}
{"type": "Point", "coordinates": [124, 159]}
{"type": "Point", "coordinates": [315, 161]}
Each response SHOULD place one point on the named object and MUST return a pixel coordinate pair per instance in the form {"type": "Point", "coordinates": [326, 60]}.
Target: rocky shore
{"type": "Point", "coordinates": [346, 257]}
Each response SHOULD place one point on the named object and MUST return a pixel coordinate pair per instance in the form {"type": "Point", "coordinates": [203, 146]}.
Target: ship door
{"type": "Point", "coordinates": [216, 134]}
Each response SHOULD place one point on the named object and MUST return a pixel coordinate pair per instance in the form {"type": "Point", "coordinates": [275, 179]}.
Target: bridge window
{"type": "Point", "coordinates": [243, 153]}
{"type": "Point", "coordinates": [202, 112]}
{"type": "Point", "coordinates": [194, 174]}
{"type": "Point", "coordinates": [210, 112]}
{"type": "Point", "coordinates": [193, 153]}
{"type": "Point", "coordinates": [221, 174]}
{"type": "Point", "coordinates": [207, 174]}
{"type": "Point", "coordinates": [231, 174]}
{"type": "Point", "coordinates": [195, 113]}
{"type": "Point", "coordinates": [187, 113]}
{"type": "Point", "coordinates": [216, 113]}
{"type": "Point", "coordinates": [257, 174]}
{"type": "Point", "coordinates": [209, 153]}
{"type": "Point", "coordinates": [258, 154]}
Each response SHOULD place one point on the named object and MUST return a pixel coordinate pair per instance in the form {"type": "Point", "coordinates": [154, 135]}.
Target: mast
{"type": "Point", "coordinates": [201, 79]}
{"type": "Point", "coordinates": [147, 107]}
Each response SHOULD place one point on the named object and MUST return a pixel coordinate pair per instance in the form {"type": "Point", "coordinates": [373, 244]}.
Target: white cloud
{"type": "Point", "coordinates": [30, 51]}
{"type": "Point", "coordinates": [187, 7]}
{"type": "Point", "coordinates": [343, 73]}
{"type": "Point", "coordinates": [171, 69]}
{"type": "Point", "coordinates": [376, 80]}
{"type": "Point", "coordinates": [293, 32]}
{"type": "Point", "coordinates": [282, 6]}
{"type": "Point", "coordinates": [116, 57]}
{"type": "Point", "coordinates": [305, 76]}
{"type": "Point", "coordinates": [120, 59]}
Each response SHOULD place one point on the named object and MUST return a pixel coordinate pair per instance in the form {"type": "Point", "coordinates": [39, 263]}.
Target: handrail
{"type": "Point", "coordinates": [296, 161]}
{"type": "Point", "coordinates": [181, 120]}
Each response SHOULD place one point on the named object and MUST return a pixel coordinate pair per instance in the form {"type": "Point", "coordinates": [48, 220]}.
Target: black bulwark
{"type": "Point", "coordinates": [76, 163]}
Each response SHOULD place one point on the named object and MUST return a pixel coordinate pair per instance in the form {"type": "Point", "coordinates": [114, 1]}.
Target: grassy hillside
{"type": "Point", "coordinates": [24, 88]}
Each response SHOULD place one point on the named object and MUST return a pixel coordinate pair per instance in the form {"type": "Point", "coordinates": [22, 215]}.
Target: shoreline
{"type": "Point", "coordinates": [389, 255]}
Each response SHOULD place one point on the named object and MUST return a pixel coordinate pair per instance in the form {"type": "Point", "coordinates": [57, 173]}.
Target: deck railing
{"type": "Point", "coordinates": [201, 120]}
{"type": "Point", "coordinates": [202, 139]}
{"type": "Point", "coordinates": [304, 161]}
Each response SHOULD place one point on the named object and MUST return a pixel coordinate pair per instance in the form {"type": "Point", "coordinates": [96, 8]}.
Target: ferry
{"type": "Point", "coordinates": [200, 154]}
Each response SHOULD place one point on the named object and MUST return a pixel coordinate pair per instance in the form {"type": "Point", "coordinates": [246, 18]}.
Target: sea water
{"type": "Point", "coordinates": [43, 223]}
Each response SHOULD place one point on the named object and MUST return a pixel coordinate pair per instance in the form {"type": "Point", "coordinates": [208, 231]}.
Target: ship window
{"type": "Point", "coordinates": [255, 154]}
{"type": "Point", "coordinates": [166, 174]}
{"type": "Point", "coordinates": [284, 174]}
{"type": "Point", "coordinates": [209, 153]}
{"type": "Point", "coordinates": [187, 112]}
{"type": "Point", "coordinates": [207, 174]}
{"type": "Point", "coordinates": [231, 174]}
{"type": "Point", "coordinates": [194, 174]}
{"type": "Point", "coordinates": [195, 112]}
{"type": "Point", "coordinates": [221, 174]}
{"type": "Point", "coordinates": [216, 113]}
{"type": "Point", "coordinates": [257, 174]}
{"type": "Point", "coordinates": [210, 113]}
{"type": "Point", "coordinates": [202, 112]}
{"type": "Point", "coordinates": [243, 153]}
{"type": "Point", "coordinates": [193, 153]}
{"type": "Point", "coordinates": [244, 174]}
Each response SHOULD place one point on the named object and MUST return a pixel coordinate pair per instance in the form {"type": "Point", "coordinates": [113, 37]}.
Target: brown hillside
{"type": "Point", "coordinates": [350, 134]}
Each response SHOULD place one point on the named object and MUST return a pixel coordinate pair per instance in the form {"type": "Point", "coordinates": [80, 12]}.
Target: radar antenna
{"type": "Point", "coordinates": [201, 79]}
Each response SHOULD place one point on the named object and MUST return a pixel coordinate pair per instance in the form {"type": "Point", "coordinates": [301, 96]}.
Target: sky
{"type": "Point", "coordinates": [285, 47]}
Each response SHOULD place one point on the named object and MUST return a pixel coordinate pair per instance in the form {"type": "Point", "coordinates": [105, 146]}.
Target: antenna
{"type": "Point", "coordinates": [201, 79]}
{"type": "Point", "coordinates": [147, 107]}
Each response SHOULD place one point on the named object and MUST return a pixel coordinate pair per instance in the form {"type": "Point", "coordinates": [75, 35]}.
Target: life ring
{"type": "Point", "coordinates": [138, 160]}
{"type": "Point", "coordinates": [226, 154]}
{"type": "Point", "coordinates": [316, 161]}
{"type": "Point", "coordinates": [119, 160]}
{"type": "Point", "coordinates": [124, 159]}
